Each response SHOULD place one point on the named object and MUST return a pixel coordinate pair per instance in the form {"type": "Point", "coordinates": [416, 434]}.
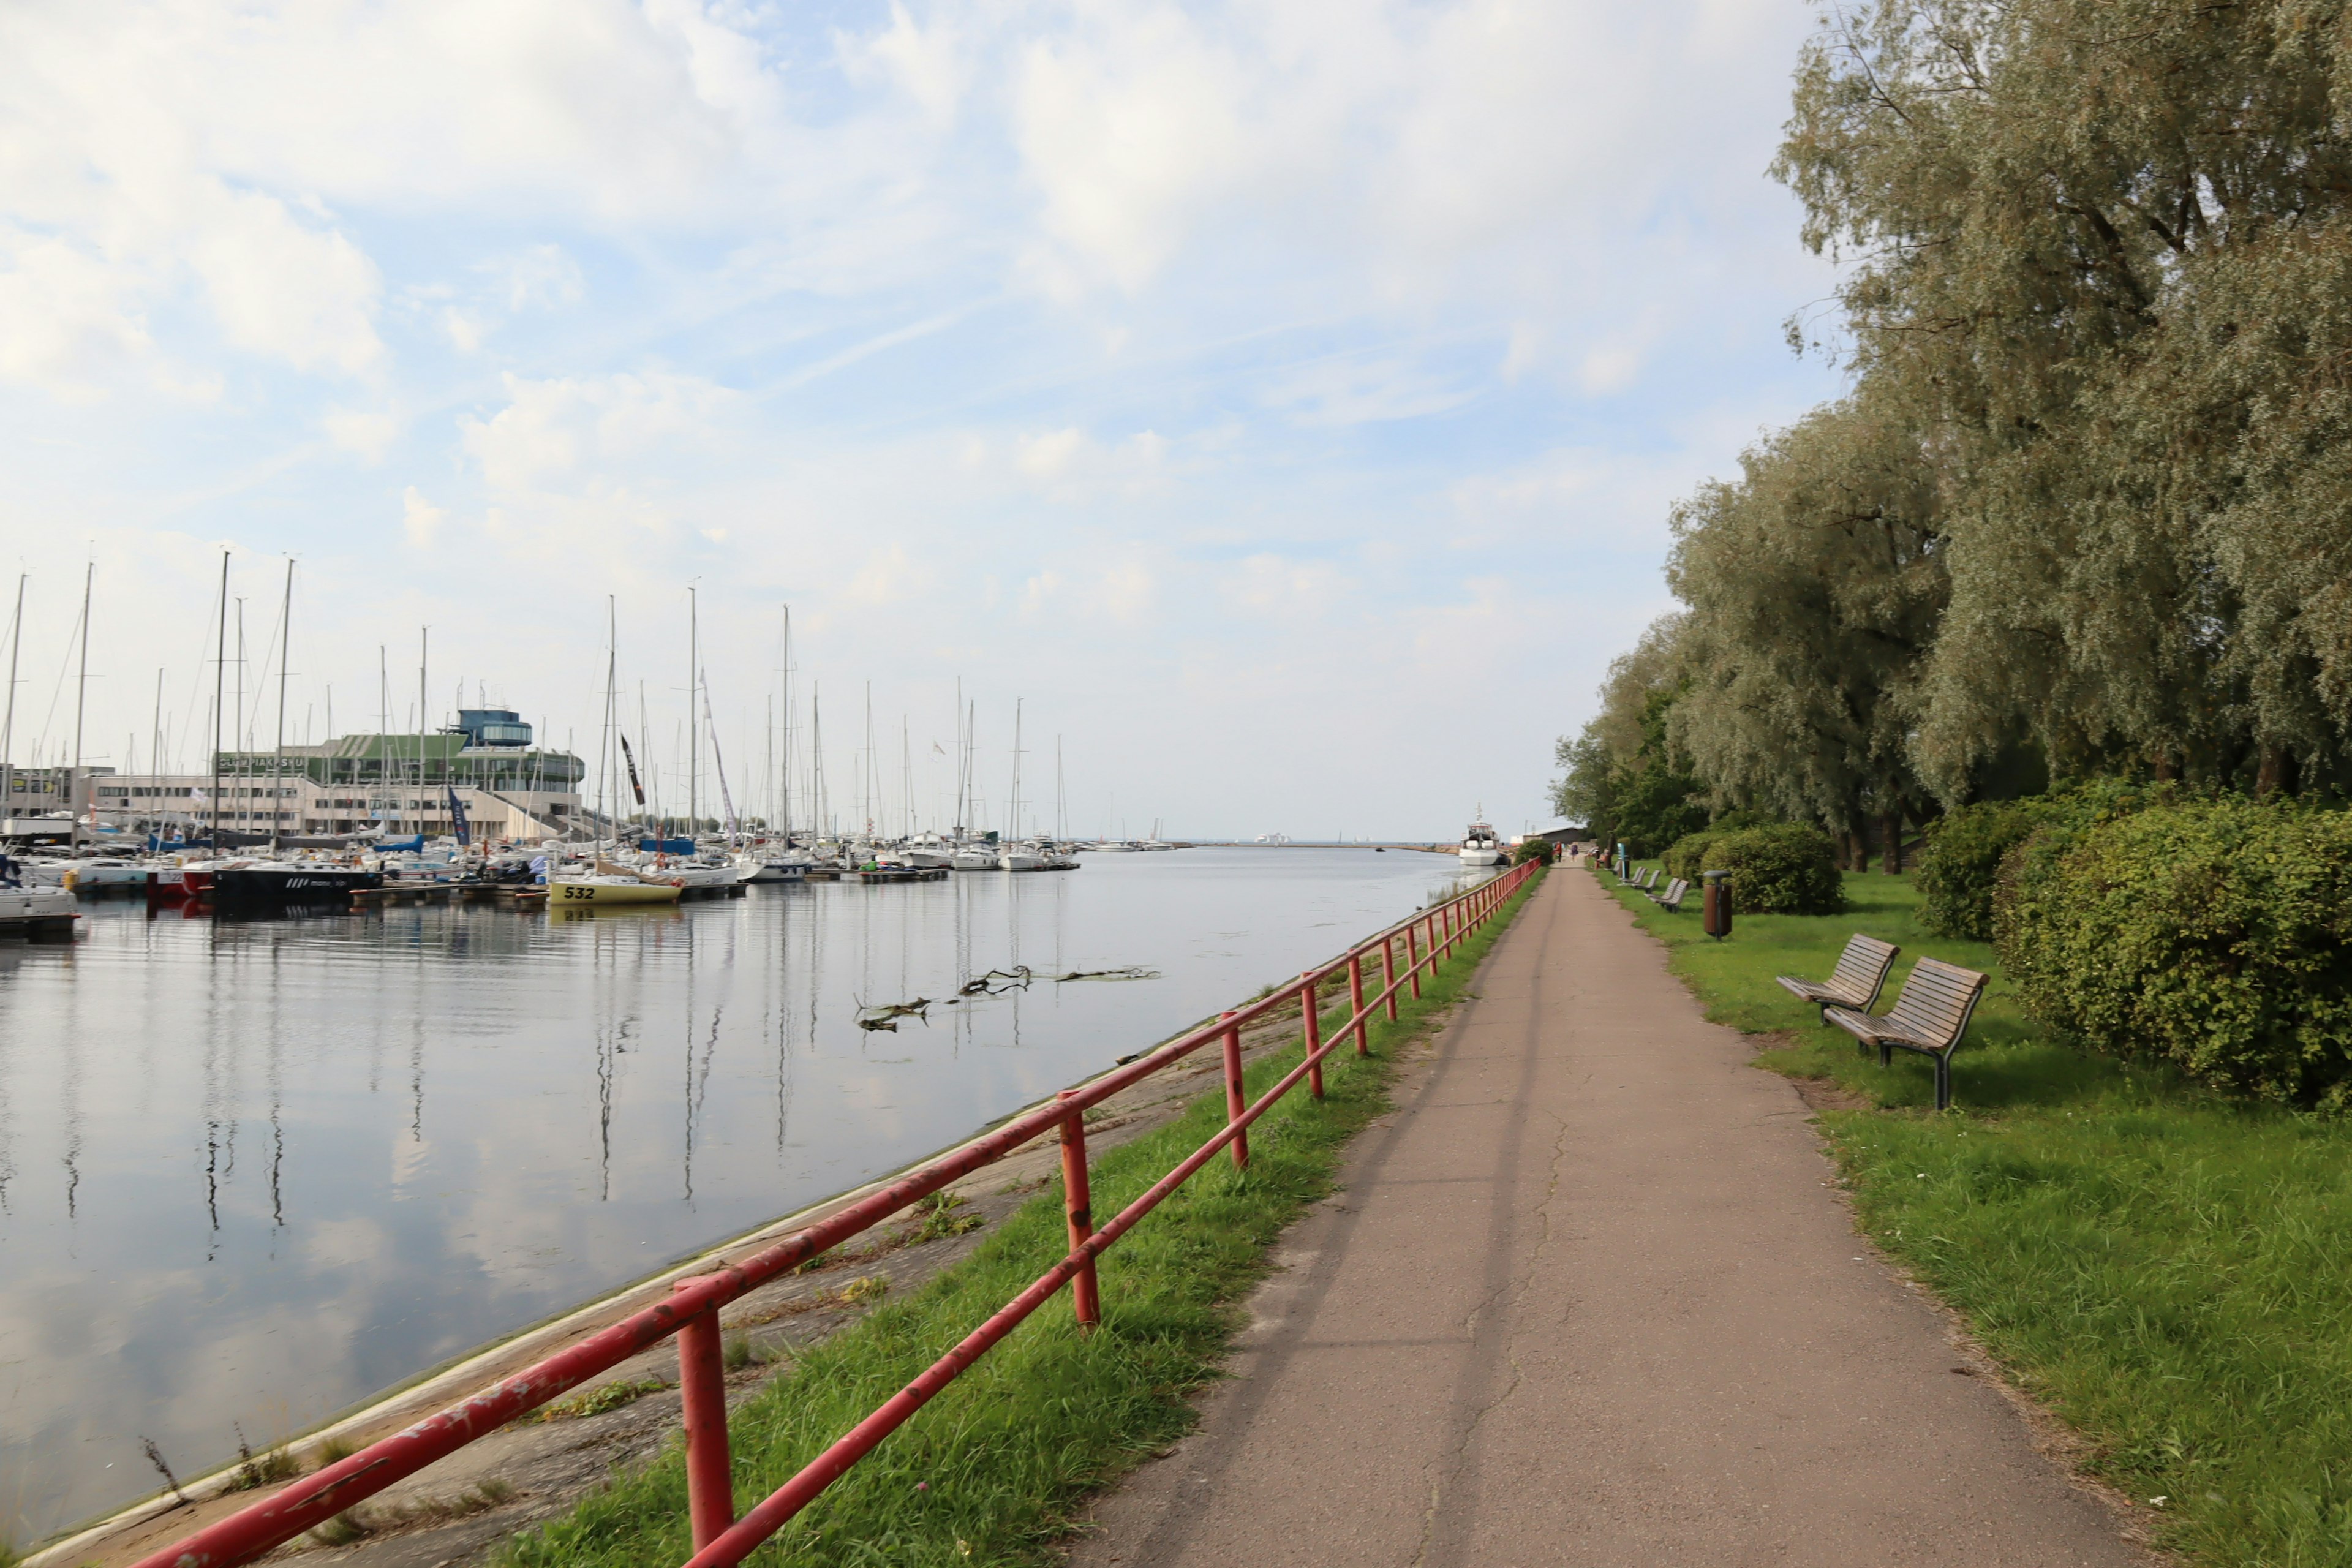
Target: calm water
{"type": "Point", "coordinates": [251, 1173]}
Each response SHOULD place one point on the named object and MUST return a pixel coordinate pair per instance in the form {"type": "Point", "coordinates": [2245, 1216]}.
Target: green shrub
{"type": "Point", "coordinates": [2214, 935]}
{"type": "Point", "coordinates": [1782, 868]}
{"type": "Point", "coordinates": [1961, 863]}
{"type": "Point", "coordinates": [1687, 855]}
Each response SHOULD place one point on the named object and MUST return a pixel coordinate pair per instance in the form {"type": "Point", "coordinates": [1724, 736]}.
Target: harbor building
{"type": "Point", "coordinates": [400, 784]}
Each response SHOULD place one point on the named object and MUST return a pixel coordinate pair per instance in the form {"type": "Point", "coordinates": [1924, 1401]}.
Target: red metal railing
{"type": "Point", "coordinates": [691, 1312]}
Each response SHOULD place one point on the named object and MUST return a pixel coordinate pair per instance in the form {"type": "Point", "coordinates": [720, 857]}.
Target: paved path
{"type": "Point", "coordinates": [1589, 1298]}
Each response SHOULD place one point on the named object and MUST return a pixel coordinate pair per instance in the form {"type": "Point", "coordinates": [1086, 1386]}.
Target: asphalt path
{"type": "Point", "coordinates": [1591, 1296]}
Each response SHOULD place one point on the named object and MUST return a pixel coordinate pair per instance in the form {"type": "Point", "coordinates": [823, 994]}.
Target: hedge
{"type": "Point", "coordinates": [2212, 934]}
{"type": "Point", "coordinates": [1961, 863]}
{"type": "Point", "coordinates": [1782, 868]}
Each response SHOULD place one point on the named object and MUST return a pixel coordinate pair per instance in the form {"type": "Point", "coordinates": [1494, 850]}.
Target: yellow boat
{"type": "Point", "coordinates": [605, 892]}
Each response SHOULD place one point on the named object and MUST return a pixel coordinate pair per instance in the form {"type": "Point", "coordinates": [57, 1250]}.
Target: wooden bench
{"type": "Point", "coordinates": [1647, 879]}
{"type": "Point", "coordinates": [1860, 975]}
{"type": "Point", "coordinates": [1672, 898]}
{"type": "Point", "coordinates": [1929, 1016]}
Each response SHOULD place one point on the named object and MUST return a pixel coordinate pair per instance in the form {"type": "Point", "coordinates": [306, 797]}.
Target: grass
{"type": "Point", "coordinates": [992, 1469]}
{"type": "Point", "coordinates": [2168, 1270]}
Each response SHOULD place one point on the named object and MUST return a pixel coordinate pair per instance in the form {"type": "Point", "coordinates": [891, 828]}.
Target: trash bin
{"type": "Point", "coordinates": [1714, 917]}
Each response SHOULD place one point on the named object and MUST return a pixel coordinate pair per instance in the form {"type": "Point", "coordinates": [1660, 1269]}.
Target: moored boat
{"type": "Point", "coordinates": [599, 890]}
{"type": "Point", "coordinates": [1481, 846]}
{"type": "Point", "coordinates": [268, 884]}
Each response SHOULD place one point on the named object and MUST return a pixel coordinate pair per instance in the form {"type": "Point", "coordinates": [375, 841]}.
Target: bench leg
{"type": "Point", "coordinates": [1885, 1056]}
{"type": "Point", "coordinates": [1943, 1083]}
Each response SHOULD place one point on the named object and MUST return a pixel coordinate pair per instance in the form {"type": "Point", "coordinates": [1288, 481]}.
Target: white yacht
{"type": "Point", "coordinates": [1481, 846]}
{"type": "Point", "coordinates": [976, 856]}
{"type": "Point", "coordinates": [1021, 857]}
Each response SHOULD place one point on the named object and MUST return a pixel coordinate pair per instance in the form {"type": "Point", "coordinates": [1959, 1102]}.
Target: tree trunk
{"type": "Point", "coordinates": [2269, 775]}
{"type": "Point", "coordinates": [1857, 851]}
{"type": "Point", "coordinates": [2166, 771]}
{"type": "Point", "coordinates": [1890, 828]}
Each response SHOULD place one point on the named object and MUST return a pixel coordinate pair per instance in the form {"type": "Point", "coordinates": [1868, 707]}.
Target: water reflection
{"type": "Point", "coordinates": [251, 1172]}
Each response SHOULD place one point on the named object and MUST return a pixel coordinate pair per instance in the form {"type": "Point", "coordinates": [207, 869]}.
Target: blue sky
{"type": "Point", "coordinates": [1239, 385]}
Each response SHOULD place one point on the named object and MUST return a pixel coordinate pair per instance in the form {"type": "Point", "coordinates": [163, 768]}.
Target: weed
{"type": "Point", "coordinates": [1003, 1454]}
{"type": "Point", "coordinates": [738, 1355]}
{"type": "Point", "coordinates": [598, 1400]}
{"type": "Point", "coordinates": [333, 1451]}
{"type": "Point", "coordinates": [939, 1216]}
{"type": "Point", "coordinates": [868, 1288]}
{"type": "Point", "coordinates": [263, 1469]}
{"type": "Point", "coordinates": [346, 1527]}
{"type": "Point", "coordinates": [9, 1555]}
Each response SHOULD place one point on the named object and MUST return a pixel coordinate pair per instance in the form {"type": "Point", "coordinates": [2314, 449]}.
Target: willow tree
{"type": "Point", "coordinates": [2029, 192]}
{"type": "Point", "coordinates": [1815, 584]}
{"type": "Point", "coordinates": [1624, 778]}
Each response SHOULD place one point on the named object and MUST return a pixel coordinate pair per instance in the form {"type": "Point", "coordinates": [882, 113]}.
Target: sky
{"type": "Point", "coordinates": [1283, 402]}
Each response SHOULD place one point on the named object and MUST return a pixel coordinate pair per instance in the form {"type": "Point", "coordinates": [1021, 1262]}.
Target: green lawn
{"type": "Point", "coordinates": [2170, 1271]}
{"type": "Point", "coordinates": [990, 1470]}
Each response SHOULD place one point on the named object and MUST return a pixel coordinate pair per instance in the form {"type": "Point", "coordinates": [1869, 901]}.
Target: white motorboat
{"type": "Point", "coordinates": [1109, 846]}
{"type": "Point", "coordinates": [1481, 846]}
{"type": "Point", "coordinates": [975, 857]}
{"type": "Point", "coordinates": [1021, 857]}
{"type": "Point", "coordinates": [39, 912]}
{"type": "Point", "coordinates": [686, 875]}
{"type": "Point", "coordinates": [88, 873]}
{"type": "Point", "coordinates": [766, 865]}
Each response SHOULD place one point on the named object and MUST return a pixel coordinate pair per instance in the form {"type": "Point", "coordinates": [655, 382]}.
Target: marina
{"type": "Point", "coordinates": [254, 1170]}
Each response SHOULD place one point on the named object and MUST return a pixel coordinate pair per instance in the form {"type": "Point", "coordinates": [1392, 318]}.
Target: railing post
{"type": "Point", "coordinates": [1388, 972]}
{"type": "Point", "coordinates": [702, 1383]}
{"type": "Point", "coordinates": [1413, 958]}
{"type": "Point", "coordinates": [1234, 1103]}
{"type": "Point", "coordinates": [1356, 1001]}
{"type": "Point", "coordinates": [1078, 1205]}
{"type": "Point", "coordinates": [1310, 1011]}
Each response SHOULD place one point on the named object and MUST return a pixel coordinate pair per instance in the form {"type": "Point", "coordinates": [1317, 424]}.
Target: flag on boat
{"type": "Point", "coordinates": [458, 817]}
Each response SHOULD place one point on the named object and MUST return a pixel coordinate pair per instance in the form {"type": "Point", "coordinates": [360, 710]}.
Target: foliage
{"type": "Point", "coordinates": [1815, 584]}
{"type": "Point", "coordinates": [2087, 506]}
{"type": "Point", "coordinates": [1540, 850]}
{"type": "Point", "coordinates": [2214, 935]}
{"type": "Point", "coordinates": [1624, 780]}
{"type": "Point", "coordinates": [1780, 867]}
{"type": "Point", "coordinates": [993, 1469]}
{"type": "Point", "coordinates": [1958, 870]}
{"type": "Point", "coordinates": [2165, 1268]}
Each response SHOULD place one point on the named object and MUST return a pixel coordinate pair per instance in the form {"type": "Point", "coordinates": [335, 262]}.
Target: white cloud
{"type": "Point", "coordinates": [542, 278]}
{"type": "Point", "coordinates": [556, 431]}
{"type": "Point", "coordinates": [420, 520]}
{"type": "Point", "coordinates": [1275, 587]}
{"type": "Point", "coordinates": [365, 435]}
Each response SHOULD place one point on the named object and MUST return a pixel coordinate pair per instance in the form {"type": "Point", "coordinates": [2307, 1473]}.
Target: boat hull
{"type": "Point", "coordinates": [1482, 857]}
{"type": "Point", "coordinates": [562, 894]}
{"type": "Point", "coordinates": [286, 886]}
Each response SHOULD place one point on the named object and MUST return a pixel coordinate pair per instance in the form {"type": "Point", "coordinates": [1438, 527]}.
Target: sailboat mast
{"type": "Point", "coordinates": [8, 724]}
{"type": "Point", "coordinates": [81, 695]}
{"type": "Point", "coordinates": [220, 680]}
{"type": "Point", "coordinates": [278, 764]}
{"type": "Point", "coordinates": [1013, 834]}
{"type": "Point", "coordinates": [611, 716]}
{"type": "Point", "coordinates": [423, 650]}
{"type": "Point", "coordinates": [693, 733]}
{"type": "Point", "coordinates": [784, 758]}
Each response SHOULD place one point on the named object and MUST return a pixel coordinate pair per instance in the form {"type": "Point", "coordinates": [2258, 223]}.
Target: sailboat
{"type": "Point", "coordinates": [1012, 856]}
{"type": "Point", "coordinates": [606, 885]}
